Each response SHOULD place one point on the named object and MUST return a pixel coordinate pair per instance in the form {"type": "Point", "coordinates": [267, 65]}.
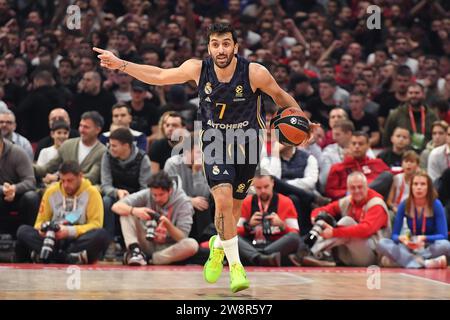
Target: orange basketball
{"type": "Point", "coordinates": [292, 127]}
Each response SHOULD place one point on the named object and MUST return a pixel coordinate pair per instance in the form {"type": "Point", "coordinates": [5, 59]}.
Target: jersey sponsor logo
{"type": "Point", "coordinates": [208, 99]}
{"type": "Point", "coordinates": [226, 172]}
{"type": "Point", "coordinates": [208, 88]}
{"type": "Point", "coordinates": [240, 188]}
{"type": "Point", "coordinates": [239, 94]}
{"type": "Point", "coordinates": [239, 91]}
{"type": "Point", "coordinates": [239, 125]}
{"type": "Point", "coordinates": [215, 170]}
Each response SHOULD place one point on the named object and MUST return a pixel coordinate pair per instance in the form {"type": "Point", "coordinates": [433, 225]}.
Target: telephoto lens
{"type": "Point", "coordinates": [267, 229]}
{"type": "Point", "coordinates": [151, 226]}
{"type": "Point", "coordinates": [50, 229]}
{"type": "Point", "coordinates": [317, 228]}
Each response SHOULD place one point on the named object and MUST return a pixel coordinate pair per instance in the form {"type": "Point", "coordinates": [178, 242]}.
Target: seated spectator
{"type": "Point", "coordinates": [144, 110]}
{"type": "Point", "coordinates": [414, 116]}
{"type": "Point", "coordinates": [298, 168]}
{"type": "Point", "coordinates": [427, 245]}
{"type": "Point", "coordinates": [336, 114]}
{"type": "Point", "coordinates": [318, 108]}
{"type": "Point", "coordinates": [401, 182]}
{"type": "Point", "coordinates": [92, 96]}
{"type": "Point", "coordinates": [123, 91]}
{"type": "Point", "coordinates": [335, 153]}
{"type": "Point", "coordinates": [177, 101]}
{"type": "Point", "coordinates": [32, 112]}
{"type": "Point", "coordinates": [59, 132]}
{"type": "Point", "coordinates": [361, 85]}
{"type": "Point", "coordinates": [121, 117]}
{"type": "Point", "coordinates": [125, 169]}
{"type": "Point", "coordinates": [363, 121]}
{"type": "Point", "coordinates": [268, 228]}
{"type": "Point", "coordinates": [439, 171]}
{"type": "Point", "coordinates": [169, 243]}
{"type": "Point", "coordinates": [161, 149]}
{"type": "Point", "coordinates": [312, 147]}
{"type": "Point", "coordinates": [438, 138]}
{"type": "Point", "coordinates": [7, 130]}
{"type": "Point", "coordinates": [297, 179]}
{"type": "Point", "coordinates": [86, 150]}
{"type": "Point", "coordinates": [54, 115]}
{"type": "Point", "coordinates": [301, 88]}
{"type": "Point", "coordinates": [188, 169]}
{"type": "Point", "coordinates": [76, 207]}
{"type": "Point", "coordinates": [17, 184]}
{"type": "Point", "coordinates": [391, 96]}
{"type": "Point", "coordinates": [362, 220]}
{"type": "Point", "coordinates": [376, 171]}
{"type": "Point", "coordinates": [392, 156]}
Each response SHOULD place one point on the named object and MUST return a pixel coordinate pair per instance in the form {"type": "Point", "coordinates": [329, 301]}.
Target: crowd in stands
{"type": "Point", "coordinates": [94, 149]}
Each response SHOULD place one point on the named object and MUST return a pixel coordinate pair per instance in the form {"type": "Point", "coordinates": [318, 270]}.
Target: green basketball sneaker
{"type": "Point", "coordinates": [213, 267]}
{"type": "Point", "coordinates": [238, 278]}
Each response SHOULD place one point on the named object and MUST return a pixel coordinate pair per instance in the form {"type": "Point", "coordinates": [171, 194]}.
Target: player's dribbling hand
{"type": "Point", "coordinates": [312, 127]}
{"type": "Point", "coordinates": [108, 59]}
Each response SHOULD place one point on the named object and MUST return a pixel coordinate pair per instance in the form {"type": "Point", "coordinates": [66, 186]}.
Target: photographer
{"type": "Point", "coordinates": [165, 203]}
{"type": "Point", "coordinates": [268, 228]}
{"type": "Point", "coordinates": [75, 209]}
{"type": "Point", "coordinates": [362, 219]}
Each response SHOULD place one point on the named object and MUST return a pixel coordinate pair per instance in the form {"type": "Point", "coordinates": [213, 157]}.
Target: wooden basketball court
{"type": "Point", "coordinates": [29, 281]}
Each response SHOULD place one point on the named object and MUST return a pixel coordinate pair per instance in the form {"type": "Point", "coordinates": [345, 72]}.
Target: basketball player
{"type": "Point", "coordinates": [230, 97]}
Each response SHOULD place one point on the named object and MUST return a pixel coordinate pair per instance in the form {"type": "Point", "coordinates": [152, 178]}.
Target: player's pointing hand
{"type": "Point", "coordinates": [108, 59]}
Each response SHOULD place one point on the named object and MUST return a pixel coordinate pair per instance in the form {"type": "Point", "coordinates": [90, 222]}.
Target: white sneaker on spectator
{"type": "Point", "coordinates": [436, 263]}
{"type": "Point", "coordinates": [137, 258]}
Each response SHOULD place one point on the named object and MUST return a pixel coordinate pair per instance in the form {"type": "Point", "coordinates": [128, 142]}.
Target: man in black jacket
{"type": "Point", "coordinates": [92, 98]}
{"type": "Point", "coordinates": [32, 113]}
{"type": "Point", "coordinates": [125, 170]}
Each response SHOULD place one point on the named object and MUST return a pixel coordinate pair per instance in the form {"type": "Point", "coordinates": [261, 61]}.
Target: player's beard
{"type": "Point", "coordinates": [225, 64]}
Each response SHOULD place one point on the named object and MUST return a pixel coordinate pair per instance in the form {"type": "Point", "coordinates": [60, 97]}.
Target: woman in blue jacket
{"type": "Point", "coordinates": [426, 246]}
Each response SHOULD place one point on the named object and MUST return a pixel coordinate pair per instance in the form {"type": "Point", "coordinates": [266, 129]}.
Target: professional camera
{"type": "Point", "coordinates": [262, 231]}
{"type": "Point", "coordinates": [267, 229]}
{"type": "Point", "coordinates": [50, 228]}
{"type": "Point", "coordinates": [151, 226]}
{"type": "Point", "coordinates": [317, 228]}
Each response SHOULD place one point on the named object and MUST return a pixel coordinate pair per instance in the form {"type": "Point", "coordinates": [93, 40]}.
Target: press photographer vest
{"type": "Point", "coordinates": [345, 207]}
{"type": "Point", "coordinates": [126, 177]}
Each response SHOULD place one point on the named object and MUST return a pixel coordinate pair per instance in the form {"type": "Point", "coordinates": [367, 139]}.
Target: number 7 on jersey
{"type": "Point", "coordinates": [222, 111]}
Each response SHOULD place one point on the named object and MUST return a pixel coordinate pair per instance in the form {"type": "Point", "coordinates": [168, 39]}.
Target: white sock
{"type": "Point", "coordinates": [231, 250]}
{"type": "Point", "coordinates": [217, 242]}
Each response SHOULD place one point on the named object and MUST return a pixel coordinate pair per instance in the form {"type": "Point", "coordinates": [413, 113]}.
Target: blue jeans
{"type": "Point", "coordinates": [404, 257]}
{"type": "Point", "coordinates": [109, 220]}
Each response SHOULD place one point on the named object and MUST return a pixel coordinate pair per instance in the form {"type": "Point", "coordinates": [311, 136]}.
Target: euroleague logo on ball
{"type": "Point", "coordinates": [293, 120]}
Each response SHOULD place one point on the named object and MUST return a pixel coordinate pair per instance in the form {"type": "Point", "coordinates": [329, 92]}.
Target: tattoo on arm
{"type": "Point", "coordinates": [220, 223]}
